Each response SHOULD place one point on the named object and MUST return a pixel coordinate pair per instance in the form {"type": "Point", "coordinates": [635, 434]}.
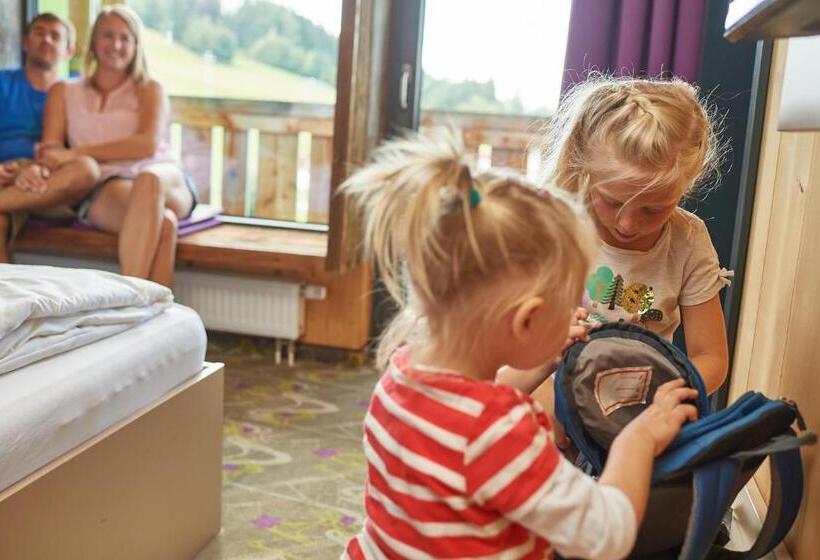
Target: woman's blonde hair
{"type": "Point", "coordinates": [138, 67]}
{"type": "Point", "coordinates": [651, 133]}
{"type": "Point", "coordinates": [458, 250]}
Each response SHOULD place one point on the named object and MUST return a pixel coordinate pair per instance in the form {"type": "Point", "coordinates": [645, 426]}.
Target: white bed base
{"type": "Point", "coordinates": [147, 488]}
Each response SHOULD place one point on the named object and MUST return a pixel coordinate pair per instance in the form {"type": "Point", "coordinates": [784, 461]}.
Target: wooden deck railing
{"type": "Point", "coordinates": [497, 140]}
{"type": "Point", "coordinates": [272, 160]}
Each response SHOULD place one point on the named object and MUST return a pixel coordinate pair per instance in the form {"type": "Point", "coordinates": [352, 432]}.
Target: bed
{"type": "Point", "coordinates": [113, 449]}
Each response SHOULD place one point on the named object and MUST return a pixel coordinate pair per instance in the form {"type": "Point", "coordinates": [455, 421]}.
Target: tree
{"type": "Point", "coordinates": [278, 36]}
{"type": "Point", "coordinates": [154, 13]}
{"type": "Point", "coordinates": [466, 96]}
{"type": "Point", "coordinates": [224, 43]}
{"type": "Point", "coordinates": [275, 50]}
{"type": "Point", "coordinates": [255, 19]}
{"type": "Point", "coordinates": [181, 13]}
{"type": "Point", "coordinates": [210, 8]}
{"type": "Point", "coordinates": [203, 35]}
{"type": "Point", "coordinates": [614, 292]}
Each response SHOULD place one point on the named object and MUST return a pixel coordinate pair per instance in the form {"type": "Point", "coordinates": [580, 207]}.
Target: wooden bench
{"type": "Point", "coordinates": [341, 320]}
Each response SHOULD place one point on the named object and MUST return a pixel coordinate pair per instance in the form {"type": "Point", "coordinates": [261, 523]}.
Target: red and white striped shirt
{"type": "Point", "coordinates": [459, 468]}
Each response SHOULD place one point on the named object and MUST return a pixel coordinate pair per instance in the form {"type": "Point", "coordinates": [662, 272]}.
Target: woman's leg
{"type": "Point", "coordinates": [167, 179]}
{"type": "Point", "coordinates": [156, 188]}
{"type": "Point", "coordinates": [107, 213]}
{"type": "Point", "coordinates": [162, 268]}
{"type": "Point", "coordinates": [136, 211]}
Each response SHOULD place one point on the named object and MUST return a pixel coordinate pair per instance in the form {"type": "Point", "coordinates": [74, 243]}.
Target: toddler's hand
{"type": "Point", "coordinates": [658, 425]}
{"type": "Point", "coordinates": [578, 329]}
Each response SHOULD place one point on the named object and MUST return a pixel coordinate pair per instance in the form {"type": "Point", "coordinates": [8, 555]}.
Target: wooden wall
{"type": "Point", "coordinates": [778, 345]}
{"type": "Point", "coordinates": [11, 14]}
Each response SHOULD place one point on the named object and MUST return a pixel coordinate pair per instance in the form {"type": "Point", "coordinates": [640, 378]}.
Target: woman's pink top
{"type": "Point", "coordinates": [90, 123]}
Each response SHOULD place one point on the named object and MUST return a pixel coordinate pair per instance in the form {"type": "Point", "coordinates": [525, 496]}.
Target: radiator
{"type": "Point", "coordinates": [230, 303]}
{"type": "Point", "coordinates": [241, 304]}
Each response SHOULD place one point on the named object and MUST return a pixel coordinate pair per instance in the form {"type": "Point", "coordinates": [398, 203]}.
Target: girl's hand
{"type": "Point", "coordinates": [53, 157]}
{"type": "Point", "coordinates": [33, 178]}
{"type": "Point", "coordinates": [658, 425]}
{"type": "Point", "coordinates": [7, 173]}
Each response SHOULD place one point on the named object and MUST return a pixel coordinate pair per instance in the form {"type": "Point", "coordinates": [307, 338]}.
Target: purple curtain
{"type": "Point", "coordinates": [634, 37]}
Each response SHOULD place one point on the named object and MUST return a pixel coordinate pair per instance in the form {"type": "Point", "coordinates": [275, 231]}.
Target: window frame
{"type": "Point", "coordinates": [358, 91]}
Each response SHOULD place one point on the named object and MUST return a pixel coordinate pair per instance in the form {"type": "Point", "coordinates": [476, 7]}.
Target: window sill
{"type": "Point", "coordinates": [255, 250]}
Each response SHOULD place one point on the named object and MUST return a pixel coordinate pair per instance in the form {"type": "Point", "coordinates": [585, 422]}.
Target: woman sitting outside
{"type": "Point", "coordinates": [119, 116]}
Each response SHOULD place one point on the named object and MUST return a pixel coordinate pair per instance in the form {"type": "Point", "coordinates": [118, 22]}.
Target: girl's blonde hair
{"type": "Point", "coordinates": [458, 250]}
{"type": "Point", "coordinates": [137, 68]}
{"type": "Point", "coordinates": [651, 133]}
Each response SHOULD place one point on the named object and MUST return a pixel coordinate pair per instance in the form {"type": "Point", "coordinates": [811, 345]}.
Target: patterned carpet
{"type": "Point", "coordinates": [293, 467]}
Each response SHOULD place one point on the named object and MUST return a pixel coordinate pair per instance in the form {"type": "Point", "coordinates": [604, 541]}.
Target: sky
{"type": "Point", "coordinates": [518, 43]}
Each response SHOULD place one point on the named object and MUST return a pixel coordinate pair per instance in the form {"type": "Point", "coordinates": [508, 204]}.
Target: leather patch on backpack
{"type": "Point", "coordinates": [619, 387]}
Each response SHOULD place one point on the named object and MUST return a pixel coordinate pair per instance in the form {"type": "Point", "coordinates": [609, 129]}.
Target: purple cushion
{"type": "Point", "coordinates": [203, 217]}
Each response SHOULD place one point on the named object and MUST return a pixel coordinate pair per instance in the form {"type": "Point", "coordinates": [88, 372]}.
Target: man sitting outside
{"type": "Point", "coordinates": [25, 184]}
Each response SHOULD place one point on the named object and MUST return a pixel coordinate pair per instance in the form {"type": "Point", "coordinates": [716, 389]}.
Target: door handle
{"type": "Point", "coordinates": [404, 86]}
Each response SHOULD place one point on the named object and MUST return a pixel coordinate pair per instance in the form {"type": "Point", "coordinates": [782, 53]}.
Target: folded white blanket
{"type": "Point", "coordinates": [47, 310]}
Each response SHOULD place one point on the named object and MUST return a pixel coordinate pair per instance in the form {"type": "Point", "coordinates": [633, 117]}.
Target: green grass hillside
{"type": "Point", "coordinates": [184, 72]}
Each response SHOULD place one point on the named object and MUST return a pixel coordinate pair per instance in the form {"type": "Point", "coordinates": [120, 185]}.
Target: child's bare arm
{"type": "Point", "coordinates": [706, 341]}
{"type": "Point", "coordinates": [525, 380]}
{"type": "Point", "coordinates": [521, 475]}
{"type": "Point", "coordinates": [629, 466]}
{"type": "Point", "coordinates": [529, 380]}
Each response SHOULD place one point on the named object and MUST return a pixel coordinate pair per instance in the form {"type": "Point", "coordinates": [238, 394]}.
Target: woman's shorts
{"type": "Point", "coordinates": [82, 207]}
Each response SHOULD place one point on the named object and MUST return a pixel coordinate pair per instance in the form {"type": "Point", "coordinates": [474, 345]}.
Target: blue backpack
{"type": "Point", "coordinates": [604, 383]}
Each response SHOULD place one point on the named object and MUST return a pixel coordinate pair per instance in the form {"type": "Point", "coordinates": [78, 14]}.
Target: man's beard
{"type": "Point", "coordinates": [40, 63]}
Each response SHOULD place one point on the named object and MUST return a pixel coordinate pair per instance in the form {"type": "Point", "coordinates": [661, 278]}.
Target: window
{"type": "Point", "coordinates": [252, 86]}
{"type": "Point", "coordinates": [493, 69]}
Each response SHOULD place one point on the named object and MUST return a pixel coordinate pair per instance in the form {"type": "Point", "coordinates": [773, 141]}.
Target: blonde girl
{"type": "Point", "coordinates": [633, 150]}
{"type": "Point", "coordinates": [119, 116]}
{"type": "Point", "coordinates": [459, 465]}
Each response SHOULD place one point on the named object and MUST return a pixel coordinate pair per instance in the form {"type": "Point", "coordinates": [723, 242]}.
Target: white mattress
{"type": "Point", "coordinates": [50, 407]}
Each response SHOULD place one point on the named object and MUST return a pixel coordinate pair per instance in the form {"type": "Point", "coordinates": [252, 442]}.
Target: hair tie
{"type": "Point", "coordinates": [475, 197]}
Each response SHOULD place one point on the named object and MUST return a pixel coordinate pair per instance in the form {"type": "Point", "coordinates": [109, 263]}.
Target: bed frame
{"type": "Point", "coordinates": [148, 487]}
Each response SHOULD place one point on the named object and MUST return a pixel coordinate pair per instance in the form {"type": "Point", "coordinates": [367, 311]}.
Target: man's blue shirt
{"type": "Point", "coordinates": [21, 115]}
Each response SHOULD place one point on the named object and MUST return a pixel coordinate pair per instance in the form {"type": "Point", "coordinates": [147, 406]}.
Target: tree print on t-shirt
{"type": "Point", "coordinates": [609, 298]}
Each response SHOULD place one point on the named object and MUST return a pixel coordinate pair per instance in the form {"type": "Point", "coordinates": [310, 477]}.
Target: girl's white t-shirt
{"type": "Point", "coordinates": [648, 287]}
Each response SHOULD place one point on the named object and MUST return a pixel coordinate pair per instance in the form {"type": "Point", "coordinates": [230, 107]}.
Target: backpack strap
{"type": "Point", "coordinates": [715, 486]}
{"type": "Point", "coordinates": [714, 491]}
{"type": "Point", "coordinates": [786, 492]}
